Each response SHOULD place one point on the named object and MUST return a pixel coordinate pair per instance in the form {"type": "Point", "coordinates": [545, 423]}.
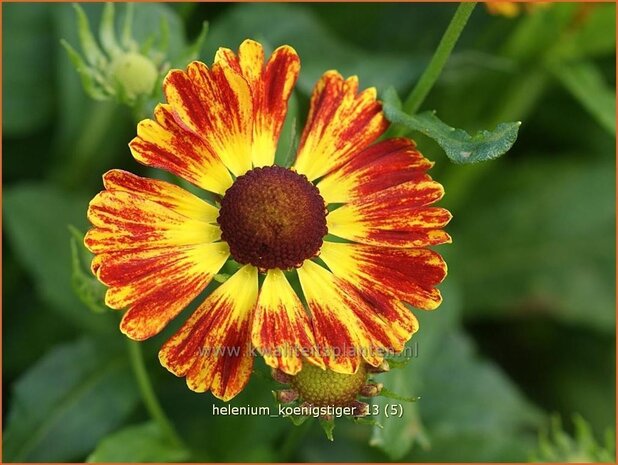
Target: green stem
{"type": "Point", "coordinates": [439, 59]}
{"type": "Point", "coordinates": [148, 395]}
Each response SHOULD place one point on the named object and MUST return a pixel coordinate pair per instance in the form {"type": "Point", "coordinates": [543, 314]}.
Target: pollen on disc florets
{"type": "Point", "coordinates": [272, 217]}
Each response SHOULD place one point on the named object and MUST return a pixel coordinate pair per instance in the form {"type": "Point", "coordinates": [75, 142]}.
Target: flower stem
{"type": "Point", "coordinates": [148, 395]}
{"type": "Point", "coordinates": [440, 56]}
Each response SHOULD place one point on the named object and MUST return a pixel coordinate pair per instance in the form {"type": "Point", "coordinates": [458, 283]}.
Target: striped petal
{"type": "Point", "coordinates": [281, 330]}
{"type": "Point", "coordinates": [380, 166]}
{"type": "Point", "coordinates": [126, 221]}
{"type": "Point", "coordinates": [154, 258]}
{"type": "Point", "coordinates": [163, 193]}
{"type": "Point", "coordinates": [216, 105]}
{"type": "Point", "coordinates": [212, 349]}
{"type": "Point", "coordinates": [341, 123]}
{"type": "Point", "coordinates": [347, 326]}
{"type": "Point", "coordinates": [394, 217]}
{"type": "Point", "coordinates": [271, 86]}
{"type": "Point", "coordinates": [166, 143]}
{"type": "Point", "coordinates": [406, 274]}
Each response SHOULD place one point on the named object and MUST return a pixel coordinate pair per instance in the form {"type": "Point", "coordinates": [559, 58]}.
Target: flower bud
{"type": "Point", "coordinates": [134, 74]}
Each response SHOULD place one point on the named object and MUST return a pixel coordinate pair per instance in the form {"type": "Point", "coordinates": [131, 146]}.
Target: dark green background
{"type": "Point", "coordinates": [527, 327]}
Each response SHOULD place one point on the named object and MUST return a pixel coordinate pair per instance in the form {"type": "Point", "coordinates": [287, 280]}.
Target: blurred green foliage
{"type": "Point", "coordinates": [527, 324]}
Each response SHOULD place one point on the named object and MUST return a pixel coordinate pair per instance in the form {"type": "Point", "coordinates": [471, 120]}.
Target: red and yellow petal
{"type": "Point", "coordinates": [163, 193]}
{"type": "Point", "coordinates": [163, 287]}
{"type": "Point", "coordinates": [378, 167]}
{"type": "Point", "coordinates": [281, 329]}
{"type": "Point", "coordinates": [271, 87]}
{"type": "Point", "coordinates": [212, 349]}
{"type": "Point", "coordinates": [154, 258]}
{"type": "Point", "coordinates": [407, 274]}
{"type": "Point", "coordinates": [216, 105]}
{"type": "Point", "coordinates": [167, 143]}
{"type": "Point", "coordinates": [394, 217]}
{"type": "Point", "coordinates": [349, 327]}
{"type": "Point", "coordinates": [126, 221]}
{"type": "Point", "coordinates": [341, 123]}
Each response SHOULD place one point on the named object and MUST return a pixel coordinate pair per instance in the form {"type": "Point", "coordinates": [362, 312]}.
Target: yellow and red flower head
{"type": "Point", "coordinates": [157, 246]}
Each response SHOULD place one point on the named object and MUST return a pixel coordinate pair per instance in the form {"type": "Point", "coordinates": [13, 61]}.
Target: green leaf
{"type": "Point", "coordinates": [94, 55]}
{"type": "Point", "coordinates": [87, 75]}
{"type": "Point", "coordinates": [193, 50]}
{"type": "Point", "coordinates": [66, 402]}
{"type": "Point", "coordinates": [592, 34]}
{"type": "Point", "coordinates": [127, 28]}
{"type": "Point", "coordinates": [36, 219]}
{"type": "Point", "coordinates": [147, 14]}
{"type": "Point", "coordinates": [541, 240]}
{"type": "Point", "coordinates": [461, 395]}
{"type": "Point", "coordinates": [28, 95]}
{"type": "Point", "coordinates": [328, 426]}
{"type": "Point", "coordinates": [465, 398]}
{"type": "Point", "coordinates": [288, 139]}
{"type": "Point", "coordinates": [475, 447]}
{"type": "Point", "coordinates": [90, 291]}
{"type": "Point", "coordinates": [556, 445]}
{"type": "Point", "coordinates": [139, 443]}
{"type": "Point", "coordinates": [387, 393]}
{"type": "Point", "coordinates": [587, 84]}
{"type": "Point", "coordinates": [398, 435]}
{"type": "Point", "coordinates": [460, 147]}
{"type": "Point", "coordinates": [107, 31]}
{"type": "Point", "coordinates": [482, 400]}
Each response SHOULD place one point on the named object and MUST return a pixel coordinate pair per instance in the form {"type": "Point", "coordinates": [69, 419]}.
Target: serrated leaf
{"type": "Point", "coordinates": [139, 443]}
{"type": "Point", "coordinates": [586, 83]}
{"type": "Point", "coordinates": [67, 401]}
{"type": "Point", "coordinates": [459, 146]}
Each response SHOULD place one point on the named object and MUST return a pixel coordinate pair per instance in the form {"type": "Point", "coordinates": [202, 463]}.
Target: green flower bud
{"type": "Point", "coordinates": [122, 68]}
{"type": "Point", "coordinates": [134, 74]}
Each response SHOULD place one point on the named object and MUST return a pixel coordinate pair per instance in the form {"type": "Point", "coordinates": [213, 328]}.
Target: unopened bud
{"type": "Point", "coordinates": [135, 75]}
